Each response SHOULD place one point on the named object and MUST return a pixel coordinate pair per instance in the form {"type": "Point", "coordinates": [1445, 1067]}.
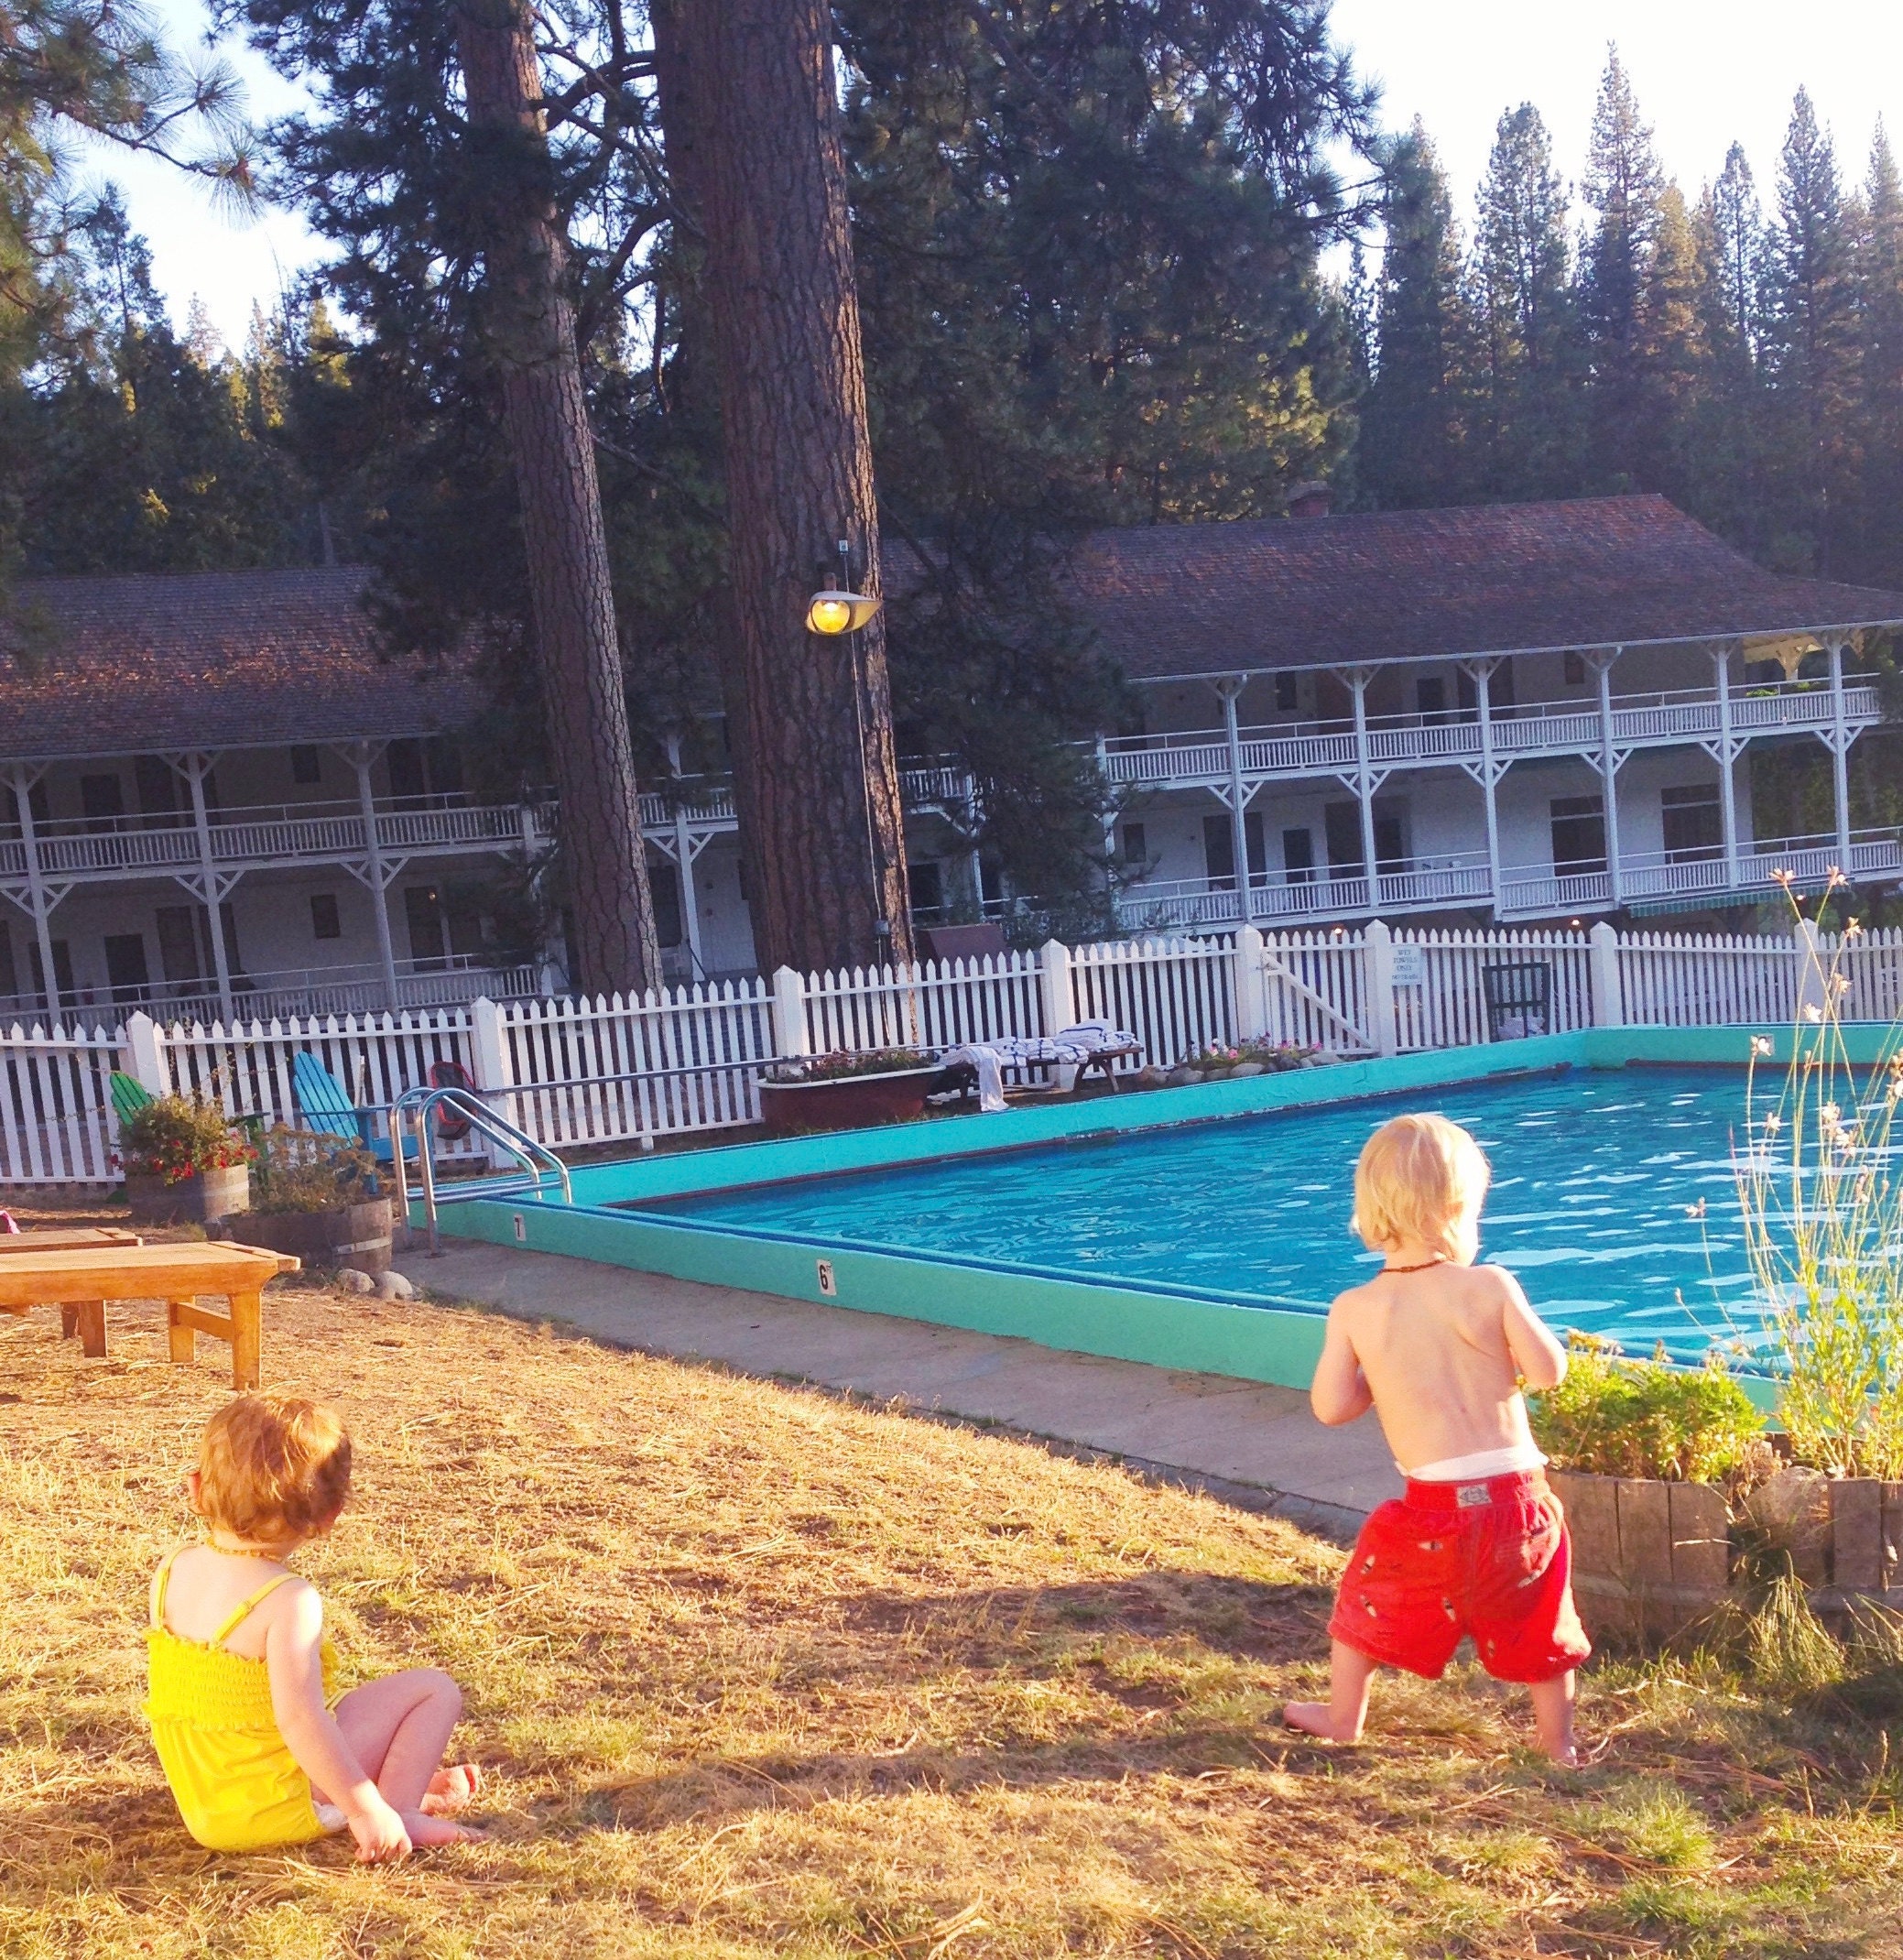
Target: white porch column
{"type": "Point", "coordinates": [1229, 687]}
{"type": "Point", "coordinates": [1609, 771]}
{"type": "Point", "coordinates": [359, 756]}
{"type": "Point", "coordinates": [1482, 676]}
{"type": "Point", "coordinates": [1358, 680]}
{"type": "Point", "coordinates": [22, 781]}
{"type": "Point", "coordinates": [1840, 757]}
{"type": "Point", "coordinates": [197, 767]}
{"type": "Point", "coordinates": [684, 856]}
{"type": "Point", "coordinates": [1727, 752]}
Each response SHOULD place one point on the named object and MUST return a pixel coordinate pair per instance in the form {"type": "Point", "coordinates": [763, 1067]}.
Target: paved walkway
{"type": "Point", "coordinates": [1258, 1444]}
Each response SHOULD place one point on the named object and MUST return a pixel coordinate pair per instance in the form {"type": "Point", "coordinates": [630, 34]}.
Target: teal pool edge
{"type": "Point", "coordinates": [1166, 1329]}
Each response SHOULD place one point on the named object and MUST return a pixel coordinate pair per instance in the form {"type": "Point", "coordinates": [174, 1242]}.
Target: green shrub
{"type": "Point", "coordinates": [300, 1171]}
{"type": "Point", "coordinates": [1618, 1417]}
{"type": "Point", "coordinates": [178, 1136]}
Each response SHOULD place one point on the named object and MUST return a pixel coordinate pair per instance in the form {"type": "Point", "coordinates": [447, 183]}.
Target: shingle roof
{"type": "Point", "coordinates": [211, 659]}
{"type": "Point", "coordinates": [1190, 599]}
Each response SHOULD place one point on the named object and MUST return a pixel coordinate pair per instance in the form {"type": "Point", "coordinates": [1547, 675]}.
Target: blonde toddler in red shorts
{"type": "Point", "coordinates": [1440, 1348]}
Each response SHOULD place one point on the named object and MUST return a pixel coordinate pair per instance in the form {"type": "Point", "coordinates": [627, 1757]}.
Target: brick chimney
{"type": "Point", "coordinates": [1312, 500]}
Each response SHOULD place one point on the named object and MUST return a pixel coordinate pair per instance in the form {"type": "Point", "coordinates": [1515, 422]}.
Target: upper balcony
{"type": "Point", "coordinates": [1291, 750]}
{"type": "Point", "coordinates": [272, 836]}
{"type": "Point", "coordinates": [269, 835]}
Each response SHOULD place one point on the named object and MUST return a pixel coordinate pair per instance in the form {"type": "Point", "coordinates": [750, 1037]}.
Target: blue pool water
{"type": "Point", "coordinates": [1594, 1172]}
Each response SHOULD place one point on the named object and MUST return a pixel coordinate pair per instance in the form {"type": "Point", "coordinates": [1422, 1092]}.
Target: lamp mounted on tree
{"type": "Point", "coordinates": [833, 612]}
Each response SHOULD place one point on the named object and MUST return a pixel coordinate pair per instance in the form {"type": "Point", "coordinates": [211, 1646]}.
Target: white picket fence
{"type": "Point", "coordinates": [579, 1073]}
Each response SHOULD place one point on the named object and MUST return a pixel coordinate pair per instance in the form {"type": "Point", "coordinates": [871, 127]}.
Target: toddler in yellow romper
{"type": "Point", "coordinates": [241, 1676]}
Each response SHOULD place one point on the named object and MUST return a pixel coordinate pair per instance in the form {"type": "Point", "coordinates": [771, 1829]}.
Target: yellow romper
{"type": "Point", "coordinates": [238, 1787]}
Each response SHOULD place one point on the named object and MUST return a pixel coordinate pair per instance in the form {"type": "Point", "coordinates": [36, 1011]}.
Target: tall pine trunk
{"type": "Point", "coordinates": [529, 331]}
{"type": "Point", "coordinates": [753, 124]}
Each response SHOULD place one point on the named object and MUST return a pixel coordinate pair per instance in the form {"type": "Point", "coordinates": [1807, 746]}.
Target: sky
{"type": "Point", "coordinates": [1706, 72]}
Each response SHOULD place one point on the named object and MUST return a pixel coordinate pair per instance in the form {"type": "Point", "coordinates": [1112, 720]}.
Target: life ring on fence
{"type": "Point", "coordinates": [452, 1125]}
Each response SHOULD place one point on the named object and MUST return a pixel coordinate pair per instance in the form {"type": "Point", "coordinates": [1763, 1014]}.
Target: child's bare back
{"type": "Point", "coordinates": [1441, 1352]}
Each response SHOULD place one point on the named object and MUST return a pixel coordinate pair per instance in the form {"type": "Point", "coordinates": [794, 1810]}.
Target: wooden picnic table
{"type": "Point", "coordinates": [67, 1238]}
{"type": "Point", "coordinates": [81, 1279]}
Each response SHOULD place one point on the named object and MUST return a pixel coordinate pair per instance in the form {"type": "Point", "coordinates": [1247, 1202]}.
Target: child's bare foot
{"type": "Point", "coordinates": [426, 1829]}
{"type": "Point", "coordinates": [1318, 1718]}
{"type": "Point", "coordinates": [452, 1790]}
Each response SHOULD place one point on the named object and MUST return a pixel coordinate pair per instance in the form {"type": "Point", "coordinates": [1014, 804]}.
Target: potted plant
{"type": "Point", "coordinates": [184, 1163]}
{"type": "Point", "coordinates": [317, 1196]}
{"type": "Point", "coordinates": [845, 1091]}
{"type": "Point", "coordinates": [1651, 1463]}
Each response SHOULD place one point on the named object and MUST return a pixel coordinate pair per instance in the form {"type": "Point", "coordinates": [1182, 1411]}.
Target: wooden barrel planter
{"type": "Point", "coordinates": [349, 1235]}
{"type": "Point", "coordinates": [844, 1102]}
{"type": "Point", "coordinates": [1651, 1558]}
{"type": "Point", "coordinates": [201, 1200]}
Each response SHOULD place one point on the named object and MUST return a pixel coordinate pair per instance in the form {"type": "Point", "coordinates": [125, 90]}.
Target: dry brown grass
{"type": "Point", "coordinates": [757, 1671]}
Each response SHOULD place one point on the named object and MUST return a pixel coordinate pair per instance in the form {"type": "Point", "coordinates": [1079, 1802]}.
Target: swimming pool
{"type": "Point", "coordinates": [1149, 1227]}
{"type": "Point", "coordinates": [1595, 1175]}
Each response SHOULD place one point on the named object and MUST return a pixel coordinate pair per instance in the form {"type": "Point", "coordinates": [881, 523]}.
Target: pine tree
{"type": "Point", "coordinates": [1675, 369]}
{"type": "Point", "coordinates": [1812, 347]}
{"type": "Point", "coordinates": [1414, 420]}
{"type": "Point", "coordinates": [1880, 290]}
{"type": "Point", "coordinates": [1623, 185]}
{"type": "Point", "coordinates": [1726, 486]}
{"type": "Point", "coordinates": [1520, 298]}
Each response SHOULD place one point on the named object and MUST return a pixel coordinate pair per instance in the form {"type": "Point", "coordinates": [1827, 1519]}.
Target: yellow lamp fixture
{"type": "Point", "coordinates": [835, 612]}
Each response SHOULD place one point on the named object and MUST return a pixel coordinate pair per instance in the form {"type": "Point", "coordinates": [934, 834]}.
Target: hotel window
{"type": "Point", "coordinates": [325, 920]}
{"type": "Point", "coordinates": [1299, 856]}
{"type": "Point", "coordinates": [1579, 834]}
{"type": "Point", "coordinates": [1219, 849]}
{"type": "Point", "coordinates": [1430, 698]}
{"type": "Point", "coordinates": [307, 765]}
{"type": "Point", "coordinates": [1135, 844]}
{"type": "Point", "coordinates": [1573, 668]}
{"type": "Point", "coordinates": [1287, 698]}
{"type": "Point", "coordinates": [1694, 824]}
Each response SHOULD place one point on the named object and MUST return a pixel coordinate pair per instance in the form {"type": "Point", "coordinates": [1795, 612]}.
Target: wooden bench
{"type": "Point", "coordinates": [80, 1281]}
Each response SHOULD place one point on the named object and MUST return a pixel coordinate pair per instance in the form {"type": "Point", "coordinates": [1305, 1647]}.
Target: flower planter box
{"type": "Point", "coordinates": [201, 1200]}
{"type": "Point", "coordinates": [349, 1235]}
{"type": "Point", "coordinates": [845, 1102]}
{"type": "Point", "coordinates": [1651, 1558]}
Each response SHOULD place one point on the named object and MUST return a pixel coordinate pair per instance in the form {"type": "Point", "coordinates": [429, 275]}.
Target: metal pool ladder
{"type": "Point", "coordinates": [539, 1164]}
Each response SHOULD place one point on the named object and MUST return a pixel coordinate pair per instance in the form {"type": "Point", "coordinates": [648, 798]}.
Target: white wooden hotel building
{"type": "Point", "coordinates": [218, 798]}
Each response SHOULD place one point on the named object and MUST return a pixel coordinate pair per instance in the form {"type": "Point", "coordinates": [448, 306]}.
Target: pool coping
{"type": "Point", "coordinates": [1169, 1328]}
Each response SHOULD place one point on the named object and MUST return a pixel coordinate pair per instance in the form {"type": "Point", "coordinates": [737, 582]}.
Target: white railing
{"type": "Point", "coordinates": [305, 992]}
{"type": "Point", "coordinates": [270, 834]}
{"type": "Point", "coordinates": [685, 1060]}
{"type": "Point", "coordinates": [1434, 882]}
{"type": "Point", "coordinates": [1301, 749]}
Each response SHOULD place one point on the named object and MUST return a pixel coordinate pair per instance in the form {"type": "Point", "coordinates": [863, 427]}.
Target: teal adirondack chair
{"type": "Point", "coordinates": [325, 1107]}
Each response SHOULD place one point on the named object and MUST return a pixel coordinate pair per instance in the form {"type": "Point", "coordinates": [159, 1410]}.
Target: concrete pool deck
{"type": "Point", "coordinates": [1255, 1442]}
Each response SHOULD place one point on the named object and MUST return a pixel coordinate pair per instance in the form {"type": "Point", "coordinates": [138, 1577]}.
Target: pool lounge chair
{"type": "Point", "coordinates": [1073, 1051]}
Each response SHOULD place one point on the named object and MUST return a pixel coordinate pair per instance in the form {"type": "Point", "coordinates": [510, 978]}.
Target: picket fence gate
{"type": "Point", "coordinates": [579, 1073]}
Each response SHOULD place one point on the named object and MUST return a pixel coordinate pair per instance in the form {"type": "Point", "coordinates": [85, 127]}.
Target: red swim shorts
{"type": "Point", "coordinates": [1491, 1559]}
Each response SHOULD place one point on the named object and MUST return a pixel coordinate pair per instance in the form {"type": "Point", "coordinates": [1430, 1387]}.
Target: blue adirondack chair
{"type": "Point", "coordinates": [324, 1107]}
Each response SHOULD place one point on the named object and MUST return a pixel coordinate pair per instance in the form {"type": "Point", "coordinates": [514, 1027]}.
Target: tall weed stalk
{"type": "Point", "coordinates": [1823, 1212]}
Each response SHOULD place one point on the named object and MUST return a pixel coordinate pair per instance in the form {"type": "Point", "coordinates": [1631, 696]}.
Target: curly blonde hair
{"type": "Point", "coordinates": [273, 1468]}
